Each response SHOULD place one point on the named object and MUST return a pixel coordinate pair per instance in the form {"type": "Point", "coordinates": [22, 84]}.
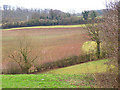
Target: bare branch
{"type": "Point", "coordinates": [34, 59]}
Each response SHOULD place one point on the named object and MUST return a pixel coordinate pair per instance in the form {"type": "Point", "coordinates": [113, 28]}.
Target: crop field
{"type": "Point", "coordinates": [50, 44]}
{"type": "Point", "coordinates": [55, 26]}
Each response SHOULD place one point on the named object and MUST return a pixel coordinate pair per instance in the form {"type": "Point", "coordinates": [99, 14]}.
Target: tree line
{"type": "Point", "coordinates": [23, 17]}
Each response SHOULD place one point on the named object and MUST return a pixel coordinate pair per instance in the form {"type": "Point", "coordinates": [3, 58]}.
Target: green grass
{"type": "Point", "coordinates": [46, 81]}
{"type": "Point", "coordinates": [77, 76]}
{"type": "Point", "coordinates": [85, 68]}
{"type": "Point", "coordinates": [56, 26]}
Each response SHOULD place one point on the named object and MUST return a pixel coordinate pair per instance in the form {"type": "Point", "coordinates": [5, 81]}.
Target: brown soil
{"type": "Point", "coordinates": [52, 43]}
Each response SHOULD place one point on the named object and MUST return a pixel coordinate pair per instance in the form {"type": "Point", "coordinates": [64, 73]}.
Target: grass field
{"type": "Point", "coordinates": [69, 77]}
{"type": "Point", "coordinates": [46, 81]}
{"type": "Point", "coordinates": [85, 68]}
{"type": "Point", "coordinates": [56, 26]}
{"type": "Point", "coordinates": [50, 44]}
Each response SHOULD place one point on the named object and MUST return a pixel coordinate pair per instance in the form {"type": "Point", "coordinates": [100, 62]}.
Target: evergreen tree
{"type": "Point", "coordinates": [85, 14]}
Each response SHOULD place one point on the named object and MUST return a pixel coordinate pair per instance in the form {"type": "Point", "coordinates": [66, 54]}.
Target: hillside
{"type": "Point", "coordinates": [84, 68]}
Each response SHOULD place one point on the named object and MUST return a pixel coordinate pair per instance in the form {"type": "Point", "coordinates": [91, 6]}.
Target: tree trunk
{"type": "Point", "coordinates": [98, 49]}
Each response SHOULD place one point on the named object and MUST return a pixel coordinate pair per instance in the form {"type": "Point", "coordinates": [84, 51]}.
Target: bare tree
{"type": "Point", "coordinates": [110, 28]}
{"type": "Point", "coordinates": [110, 31]}
{"type": "Point", "coordinates": [23, 57]}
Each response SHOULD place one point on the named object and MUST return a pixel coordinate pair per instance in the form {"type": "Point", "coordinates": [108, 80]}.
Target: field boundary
{"type": "Point", "coordinates": [55, 26]}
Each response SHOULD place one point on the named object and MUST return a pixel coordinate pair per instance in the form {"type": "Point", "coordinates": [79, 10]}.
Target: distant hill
{"type": "Point", "coordinates": [100, 11]}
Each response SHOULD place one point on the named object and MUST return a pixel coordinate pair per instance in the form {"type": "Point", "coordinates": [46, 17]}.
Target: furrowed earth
{"type": "Point", "coordinates": [50, 44]}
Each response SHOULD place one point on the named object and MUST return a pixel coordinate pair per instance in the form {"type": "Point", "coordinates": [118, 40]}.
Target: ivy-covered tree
{"type": "Point", "coordinates": [94, 32]}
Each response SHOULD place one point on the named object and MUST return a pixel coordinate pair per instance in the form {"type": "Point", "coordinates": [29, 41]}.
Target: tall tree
{"type": "Point", "coordinates": [85, 14]}
{"type": "Point", "coordinates": [111, 37]}
{"type": "Point", "coordinates": [110, 28]}
{"type": "Point", "coordinates": [94, 32]}
{"type": "Point", "coordinates": [93, 15]}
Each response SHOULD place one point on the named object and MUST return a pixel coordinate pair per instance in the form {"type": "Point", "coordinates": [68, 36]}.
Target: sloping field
{"type": "Point", "coordinates": [49, 44]}
{"type": "Point", "coordinates": [85, 68]}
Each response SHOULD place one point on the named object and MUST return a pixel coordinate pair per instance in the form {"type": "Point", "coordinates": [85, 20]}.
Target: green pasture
{"type": "Point", "coordinates": [56, 26]}
{"type": "Point", "coordinates": [46, 81]}
{"type": "Point", "coordinates": [77, 76]}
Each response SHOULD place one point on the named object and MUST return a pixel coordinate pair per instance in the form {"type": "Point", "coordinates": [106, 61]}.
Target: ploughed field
{"type": "Point", "coordinates": [49, 44]}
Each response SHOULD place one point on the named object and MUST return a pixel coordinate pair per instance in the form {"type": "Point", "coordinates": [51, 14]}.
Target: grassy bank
{"type": "Point", "coordinates": [84, 68]}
